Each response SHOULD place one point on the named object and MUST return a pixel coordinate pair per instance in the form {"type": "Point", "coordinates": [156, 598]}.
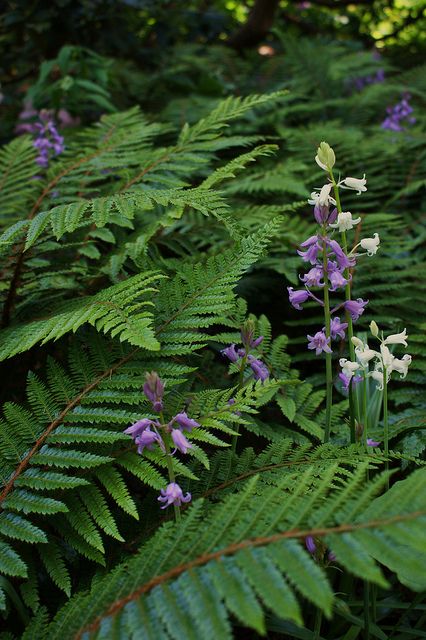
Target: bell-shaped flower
{"type": "Point", "coordinates": [319, 342]}
{"type": "Point", "coordinates": [337, 328]}
{"type": "Point", "coordinates": [343, 260]}
{"type": "Point", "coordinates": [355, 307]}
{"type": "Point", "coordinates": [386, 357]}
{"type": "Point", "coordinates": [378, 377]}
{"type": "Point", "coordinates": [397, 338]}
{"type": "Point", "coordinates": [173, 494]}
{"type": "Point", "coordinates": [147, 440]}
{"type": "Point", "coordinates": [401, 366]}
{"type": "Point", "coordinates": [371, 245]}
{"type": "Point", "coordinates": [337, 280]}
{"type": "Point", "coordinates": [313, 277]}
{"type": "Point", "coordinates": [364, 354]}
{"type": "Point", "coordinates": [297, 298]}
{"type": "Point", "coordinates": [312, 250]}
{"type": "Point", "coordinates": [323, 198]}
{"type": "Point", "coordinates": [357, 184]}
{"type": "Point", "coordinates": [372, 443]}
{"type": "Point", "coordinates": [180, 441]}
{"type": "Point", "coordinates": [322, 214]}
{"type": "Point", "coordinates": [259, 368]}
{"type": "Point", "coordinates": [348, 367]}
{"type": "Point", "coordinates": [138, 427]}
{"type": "Point", "coordinates": [231, 353]}
{"type": "Point", "coordinates": [185, 423]}
{"type": "Point", "coordinates": [345, 222]}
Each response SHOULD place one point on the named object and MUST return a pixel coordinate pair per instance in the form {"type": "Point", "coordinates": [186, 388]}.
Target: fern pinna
{"type": "Point", "coordinates": [124, 258]}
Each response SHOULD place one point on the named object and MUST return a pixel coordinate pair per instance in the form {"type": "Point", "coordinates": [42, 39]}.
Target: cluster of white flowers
{"type": "Point", "coordinates": [325, 158]}
{"type": "Point", "coordinates": [384, 361]}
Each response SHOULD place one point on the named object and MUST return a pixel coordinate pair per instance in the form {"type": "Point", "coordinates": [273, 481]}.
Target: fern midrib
{"type": "Point", "coordinates": [231, 549]}
{"type": "Point", "coordinates": [57, 421]}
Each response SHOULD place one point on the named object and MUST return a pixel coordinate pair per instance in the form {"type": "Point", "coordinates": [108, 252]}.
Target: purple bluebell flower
{"type": "Point", "coordinates": [297, 298]}
{"type": "Point", "coordinates": [322, 214]}
{"type": "Point", "coordinates": [231, 353]}
{"type": "Point", "coordinates": [337, 328]}
{"type": "Point", "coordinates": [331, 556]}
{"type": "Point", "coordinates": [337, 280]}
{"type": "Point", "coordinates": [356, 307]}
{"type": "Point", "coordinates": [372, 443]}
{"type": "Point", "coordinates": [138, 427]}
{"type": "Point", "coordinates": [397, 114]}
{"type": "Point", "coordinates": [349, 380]}
{"type": "Point", "coordinates": [311, 254]}
{"type": "Point", "coordinates": [313, 277]}
{"type": "Point", "coordinates": [154, 390]}
{"type": "Point", "coordinates": [319, 342]}
{"type": "Point", "coordinates": [260, 370]}
{"type": "Point", "coordinates": [147, 439]}
{"type": "Point", "coordinates": [180, 441]}
{"type": "Point", "coordinates": [310, 544]}
{"type": "Point", "coordinates": [173, 495]}
{"type": "Point", "coordinates": [185, 423]}
{"type": "Point", "coordinates": [342, 259]}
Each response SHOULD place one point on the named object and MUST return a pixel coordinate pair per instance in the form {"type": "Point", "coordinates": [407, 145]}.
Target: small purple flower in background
{"type": "Point", "coordinates": [337, 328]}
{"type": "Point", "coordinates": [372, 443]}
{"type": "Point", "coordinates": [185, 423]}
{"type": "Point", "coordinates": [180, 441]}
{"type": "Point", "coordinates": [310, 544]}
{"type": "Point", "coordinates": [260, 370]}
{"type": "Point", "coordinates": [319, 342]}
{"type": "Point", "coordinates": [173, 495]}
{"type": "Point", "coordinates": [231, 402]}
{"type": "Point", "coordinates": [154, 390]}
{"type": "Point", "coordinates": [399, 114]}
{"type": "Point", "coordinates": [47, 140]}
{"type": "Point", "coordinates": [297, 298]}
{"type": "Point", "coordinates": [356, 307]}
{"type": "Point", "coordinates": [138, 428]}
{"type": "Point", "coordinates": [231, 353]}
{"type": "Point", "coordinates": [147, 439]}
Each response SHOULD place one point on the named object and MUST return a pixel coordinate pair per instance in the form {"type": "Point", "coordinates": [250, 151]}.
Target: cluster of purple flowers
{"type": "Point", "coordinates": [47, 139]}
{"type": "Point", "coordinates": [399, 114]}
{"type": "Point", "coordinates": [146, 433]}
{"type": "Point", "coordinates": [243, 355]}
{"type": "Point", "coordinates": [336, 262]}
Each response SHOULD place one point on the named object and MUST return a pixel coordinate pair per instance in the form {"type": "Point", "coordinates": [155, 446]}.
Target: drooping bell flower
{"type": "Point", "coordinates": [180, 441]}
{"type": "Point", "coordinates": [345, 222]}
{"type": "Point", "coordinates": [371, 245]}
{"type": "Point", "coordinates": [185, 423]}
{"type": "Point", "coordinates": [397, 338]}
{"type": "Point", "coordinates": [319, 342]}
{"type": "Point", "coordinates": [138, 427]}
{"type": "Point", "coordinates": [312, 278]}
{"type": "Point", "coordinates": [259, 368]}
{"type": "Point", "coordinates": [357, 184]}
{"type": "Point", "coordinates": [297, 298]}
{"type": "Point", "coordinates": [356, 307]}
{"type": "Point", "coordinates": [230, 353]}
{"type": "Point", "coordinates": [173, 495]}
{"type": "Point", "coordinates": [147, 439]}
{"type": "Point", "coordinates": [337, 328]}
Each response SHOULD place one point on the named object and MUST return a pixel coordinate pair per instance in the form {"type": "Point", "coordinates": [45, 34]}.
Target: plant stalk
{"type": "Point", "coordinates": [240, 386]}
{"type": "Point", "coordinates": [385, 419]}
{"type": "Point", "coordinates": [328, 364]}
{"type": "Point", "coordinates": [170, 469]}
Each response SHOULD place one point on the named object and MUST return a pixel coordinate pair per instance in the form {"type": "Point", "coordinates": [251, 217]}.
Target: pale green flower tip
{"type": "Point", "coordinates": [374, 329]}
{"type": "Point", "coordinates": [325, 157]}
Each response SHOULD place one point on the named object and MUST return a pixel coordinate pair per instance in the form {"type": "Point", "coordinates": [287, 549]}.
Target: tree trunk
{"type": "Point", "coordinates": [259, 22]}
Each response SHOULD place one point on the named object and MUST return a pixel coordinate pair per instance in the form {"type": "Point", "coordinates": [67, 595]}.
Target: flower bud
{"type": "Point", "coordinates": [374, 329]}
{"type": "Point", "coordinates": [325, 157]}
{"type": "Point", "coordinates": [357, 342]}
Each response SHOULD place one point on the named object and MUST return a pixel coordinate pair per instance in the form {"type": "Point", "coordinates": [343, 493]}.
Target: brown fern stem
{"type": "Point", "coordinates": [231, 549]}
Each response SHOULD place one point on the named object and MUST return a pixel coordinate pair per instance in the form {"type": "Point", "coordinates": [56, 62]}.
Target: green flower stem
{"type": "Point", "coordinates": [352, 412]}
{"type": "Point", "coordinates": [328, 366]}
{"type": "Point", "coordinates": [365, 409]}
{"type": "Point", "coordinates": [170, 469]}
{"type": "Point", "coordinates": [366, 610]}
{"type": "Point", "coordinates": [385, 418]}
{"type": "Point", "coordinates": [240, 386]}
{"type": "Point", "coordinates": [318, 622]}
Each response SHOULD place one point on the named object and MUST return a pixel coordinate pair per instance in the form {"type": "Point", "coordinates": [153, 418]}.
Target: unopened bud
{"type": "Point", "coordinates": [374, 329]}
{"type": "Point", "coordinates": [325, 157]}
{"type": "Point", "coordinates": [357, 342]}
